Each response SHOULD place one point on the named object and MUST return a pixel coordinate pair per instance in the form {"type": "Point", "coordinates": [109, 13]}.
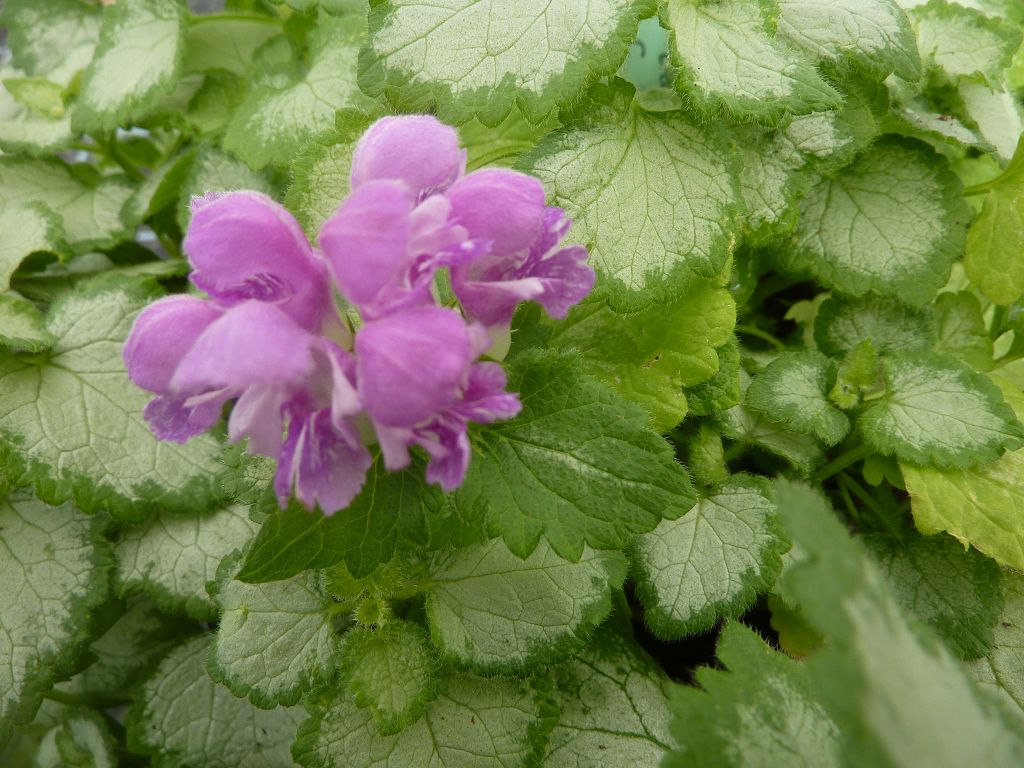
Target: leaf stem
{"type": "Point", "coordinates": [866, 499]}
{"type": "Point", "coordinates": [114, 152]}
{"type": "Point", "coordinates": [750, 330]}
{"type": "Point", "coordinates": [842, 461]}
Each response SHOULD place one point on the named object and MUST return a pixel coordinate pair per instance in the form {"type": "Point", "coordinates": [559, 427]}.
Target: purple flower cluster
{"type": "Point", "coordinates": [270, 337]}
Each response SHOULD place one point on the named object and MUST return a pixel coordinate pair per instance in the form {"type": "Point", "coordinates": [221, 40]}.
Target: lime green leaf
{"type": "Point", "coordinates": [173, 557]}
{"type": "Point", "coordinates": [136, 64]}
{"type": "Point", "coordinates": [393, 670]}
{"type": "Point", "coordinates": [275, 640]}
{"type": "Point", "coordinates": [842, 324]}
{"type": "Point", "coordinates": [474, 723]}
{"type": "Point", "coordinates": [793, 391]}
{"type": "Point", "coordinates": [765, 710]}
{"type": "Point", "coordinates": [1003, 669]}
{"type": "Point", "coordinates": [705, 456]}
{"type": "Point", "coordinates": [499, 613]}
{"type": "Point", "coordinates": [54, 39]}
{"type": "Point", "coordinates": [884, 676]}
{"type": "Point", "coordinates": [81, 739]}
{"type": "Point", "coordinates": [72, 423]}
{"type": "Point", "coordinates": [962, 331]}
{"type": "Point", "coordinates": [954, 590]}
{"type": "Point", "coordinates": [90, 213]}
{"type": "Point", "coordinates": [53, 571]}
{"type": "Point", "coordinates": [938, 411]}
{"type": "Point", "coordinates": [963, 42]}
{"type": "Point", "coordinates": [874, 35]}
{"type": "Point", "coordinates": [23, 129]}
{"type": "Point", "coordinates": [681, 221]}
{"type": "Point", "coordinates": [23, 325]}
{"type": "Point", "coordinates": [539, 58]}
{"type": "Point", "coordinates": [184, 719]}
{"type": "Point", "coordinates": [214, 171]}
{"type": "Point", "coordinates": [273, 123]}
{"type": "Point", "coordinates": [226, 42]}
{"type": "Point", "coordinates": [722, 391]}
{"type": "Point", "coordinates": [649, 356]}
{"type": "Point", "coordinates": [731, 62]}
{"type": "Point", "coordinates": [613, 700]}
{"type": "Point", "coordinates": [392, 507]}
{"type": "Point", "coordinates": [320, 173]}
{"type": "Point", "coordinates": [980, 507]}
{"type": "Point", "coordinates": [125, 652]}
{"type": "Point", "coordinates": [712, 561]}
{"type": "Point", "coordinates": [995, 242]}
{"type": "Point", "coordinates": [577, 467]}
{"type": "Point", "coordinates": [740, 423]}
{"type": "Point", "coordinates": [891, 223]}
{"type": "Point", "coordinates": [833, 139]}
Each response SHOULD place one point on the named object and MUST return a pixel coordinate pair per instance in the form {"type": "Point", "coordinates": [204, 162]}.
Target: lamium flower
{"type": "Point", "coordinates": [267, 335]}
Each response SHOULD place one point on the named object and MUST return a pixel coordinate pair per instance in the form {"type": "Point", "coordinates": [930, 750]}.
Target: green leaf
{"type": "Point", "coordinates": [496, 612]}
{"type": "Point", "coordinates": [89, 212]}
{"type": "Point", "coordinates": [963, 42]}
{"type": "Point", "coordinates": [645, 239]}
{"type": "Point", "coordinates": [893, 689]}
{"type": "Point", "coordinates": [740, 423]}
{"type": "Point", "coordinates": [995, 242]}
{"type": "Point", "coordinates": [649, 356]}
{"type": "Point", "coordinates": [474, 723]}
{"type": "Point", "coordinates": [770, 182]}
{"type": "Point", "coordinates": [842, 324]}
{"type": "Point", "coordinates": [72, 422]}
{"type": "Point", "coordinates": [320, 173]}
{"type": "Point", "coordinates": [793, 390]}
{"type": "Point", "coordinates": [891, 223]}
{"type": "Point", "coordinates": [539, 58]}
{"type": "Point", "coordinates": [722, 391]}
{"type": "Point", "coordinates": [613, 700]}
{"type": "Point", "coordinates": [23, 129]}
{"type": "Point", "coordinates": [873, 35]}
{"type": "Point", "coordinates": [275, 640]}
{"type": "Point", "coordinates": [136, 64]}
{"type": "Point", "coordinates": [27, 229]}
{"type": "Point", "coordinates": [182, 718]}
{"type": "Point", "coordinates": [24, 744]}
{"type": "Point", "coordinates": [392, 670]}
{"type": "Point", "coordinates": [577, 467]}
{"type": "Point", "coordinates": [274, 123]}
{"type": "Point", "coordinates": [173, 557]}
{"type": "Point", "coordinates": [392, 508]}
{"type": "Point", "coordinates": [214, 171]}
{"type": "Point", "coordinates": [765, 710]}
{"type": "Point", "coordinates": [81, 739]}
{"type": "Point", "coordinates": [731, 62]}
{"type": "Point", "coordinates": [125, 653]}
{"type": "Point", "coordinates": [956, 591]}
{"type": "Point", "coordinates": [1003, 669]}
{"type": "Point", "coordinates": [161, 188]}
{"type": "Point", "coordinates": [54, 39]}
{"type": "Point", "coordinates": [226, 42]}
{"type": "Point", "coordinates": [997, 114]}
{"type": "Point", "coordinates": [831, 140]}
{"type": "Point", "coordinates": [22, 325]}
{"type": "Point", "coordinates": [712, 561]}
{"type": "Point", "coordinates": [938, 411]}
{"type": "Point", "coordinates": [53, 571]}
{"type": "Point", "coordinates": [962, 331]}
{"type": "Point", "coordinates": [502, 144]}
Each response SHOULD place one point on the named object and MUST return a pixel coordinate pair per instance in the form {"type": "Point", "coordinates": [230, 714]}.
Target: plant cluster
{"type": "Point", "coordinates": [428, 488]}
